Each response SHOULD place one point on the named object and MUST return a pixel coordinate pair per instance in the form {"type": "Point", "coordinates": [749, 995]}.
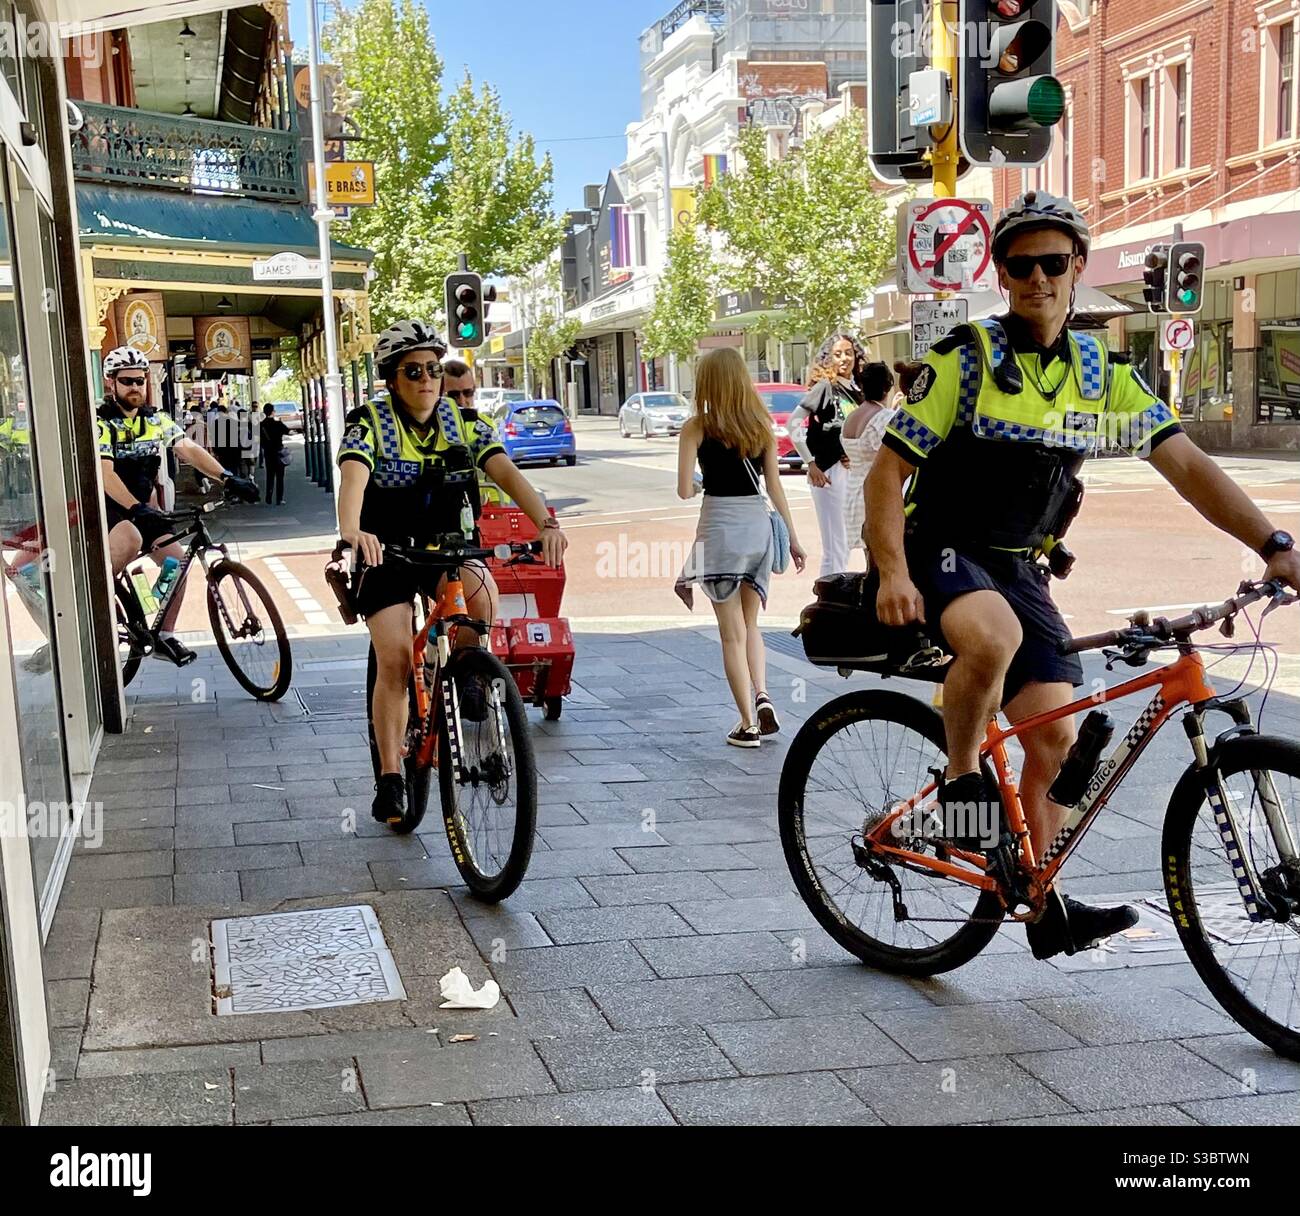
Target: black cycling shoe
{"type": "Point", "coordinates": [175, 650]}
{"type": "Point", "coordinates": [389, 806]}
{"type": "Point", "coordinates": [1069, 927]}
{"type": "Point", "coordinates": [971, 812]}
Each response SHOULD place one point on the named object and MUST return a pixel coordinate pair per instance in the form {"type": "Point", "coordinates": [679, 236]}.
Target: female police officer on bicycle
{"type": "Point", "coordinates": [398, 461]}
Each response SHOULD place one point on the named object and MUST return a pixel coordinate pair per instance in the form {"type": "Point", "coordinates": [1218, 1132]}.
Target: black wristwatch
{"type": "Point", "coordinates": [1279, 542]}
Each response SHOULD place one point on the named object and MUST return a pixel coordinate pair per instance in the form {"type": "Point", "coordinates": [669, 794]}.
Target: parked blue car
{"type": "Point", "coordinates": [537, 430]}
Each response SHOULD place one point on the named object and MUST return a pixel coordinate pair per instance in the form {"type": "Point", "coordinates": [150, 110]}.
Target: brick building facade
{"type": "Point", "coordinates": [1189, 111]}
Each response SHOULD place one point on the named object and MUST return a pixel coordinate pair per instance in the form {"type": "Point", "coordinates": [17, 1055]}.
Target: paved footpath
{"type": "Point", "coordinates": [649, 976]}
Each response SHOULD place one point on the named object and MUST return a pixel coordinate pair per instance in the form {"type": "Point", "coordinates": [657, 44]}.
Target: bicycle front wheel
{"type": "Point", "coordinates": [1251, 967]}
{"type": "Point", "coordinates": [487, 776]}
{"type": "Point", "coordinates": [853, 761]}
{"type": "Point", "coordinates": [130, 621]}
{"type": "Point", "coordinates": [249, 631]}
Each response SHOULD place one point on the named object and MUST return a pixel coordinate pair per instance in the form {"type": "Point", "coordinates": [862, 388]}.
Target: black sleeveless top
{"type": "Point", "coordinates": [724, 471]}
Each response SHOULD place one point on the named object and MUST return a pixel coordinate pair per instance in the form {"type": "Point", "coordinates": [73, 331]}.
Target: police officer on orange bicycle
{"type": "Point", "coordinates": [393, 460]}
{"type": "Point", "coordinates": [997, 423]}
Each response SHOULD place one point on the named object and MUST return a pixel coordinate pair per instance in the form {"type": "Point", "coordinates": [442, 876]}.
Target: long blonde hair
{"type": "Point", "coordinates": [727, 405]}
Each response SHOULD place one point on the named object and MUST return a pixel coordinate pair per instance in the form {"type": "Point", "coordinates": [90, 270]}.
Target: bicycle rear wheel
{"type": "Point", "coordinates": [249, 631]}
{"type": "Point", "coordinates": [1252, 968]}
{"type": "Point", "coordinates": [487, 776]}
{"type": "Point", "coordinates": [852, 762]}
{"type": "Point", "coordinates": [417, 778]}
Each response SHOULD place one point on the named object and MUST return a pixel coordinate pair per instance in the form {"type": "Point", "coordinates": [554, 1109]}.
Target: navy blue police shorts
{"type": "Point", "coordinates": [945, 575]}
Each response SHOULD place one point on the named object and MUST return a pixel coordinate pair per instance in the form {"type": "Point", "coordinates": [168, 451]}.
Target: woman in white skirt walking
{"type": "Point", "coordinates": [816, 427]}
{"type": "Point", "coordinates": [730, 436]}
{"type": "Point", "coordinates": [864, 431]}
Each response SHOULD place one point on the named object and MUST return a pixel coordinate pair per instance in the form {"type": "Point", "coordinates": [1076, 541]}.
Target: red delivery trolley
{"type": "Point", "coordinates": [529, 636]}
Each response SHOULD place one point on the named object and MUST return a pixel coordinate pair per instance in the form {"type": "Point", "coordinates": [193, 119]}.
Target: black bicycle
{"type": "Point", "coordinates": [245, 621]}
{"type": "Point", "coordinates": [465, 720]}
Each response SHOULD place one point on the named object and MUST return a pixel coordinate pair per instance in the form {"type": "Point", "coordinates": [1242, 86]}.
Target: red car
{"type": "Point", "coordinates": [781, 400]}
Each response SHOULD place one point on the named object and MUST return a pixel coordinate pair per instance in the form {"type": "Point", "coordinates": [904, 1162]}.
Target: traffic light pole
{"type": "Point", "coordinates": [324, 217]}
{"type": "Point", "coordinates": [1176, 357]}
{"type": "Point", "coordinates": [945, 154]}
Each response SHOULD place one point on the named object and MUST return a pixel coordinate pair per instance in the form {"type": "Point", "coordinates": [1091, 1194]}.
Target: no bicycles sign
{"type": "Point", "coordinates": [945, 244]}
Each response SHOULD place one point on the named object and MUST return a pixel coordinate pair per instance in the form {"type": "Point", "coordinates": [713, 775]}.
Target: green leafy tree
{"type": "Point", "coordinates": [392, 74]}
{"type": "Point", "coordinates": [685, 297]}
{"type": "Point", "coordinates": [808, 227]}
{"type": "Point", "coordinates": [499, 195]}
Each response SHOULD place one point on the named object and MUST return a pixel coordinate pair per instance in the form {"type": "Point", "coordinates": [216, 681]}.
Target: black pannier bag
{"type": "Point", "coordinates": [841, 630]}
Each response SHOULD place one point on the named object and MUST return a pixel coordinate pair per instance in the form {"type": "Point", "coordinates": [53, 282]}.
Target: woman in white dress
{"type": "Point", "coordinates": [864, 430]}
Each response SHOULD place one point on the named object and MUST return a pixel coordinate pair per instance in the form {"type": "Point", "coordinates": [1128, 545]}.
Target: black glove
{"type": "Point", "coordinates": [242, 488]}
{"type": "Point", "coordinates": [151, 523]}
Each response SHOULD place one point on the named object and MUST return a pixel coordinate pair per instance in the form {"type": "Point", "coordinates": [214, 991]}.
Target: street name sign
{"type": "Point", "coordinates": [284, 267]}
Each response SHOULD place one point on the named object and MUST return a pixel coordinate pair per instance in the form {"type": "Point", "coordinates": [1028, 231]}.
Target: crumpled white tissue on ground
{"type": "Point", "coordinates": [458, 992]}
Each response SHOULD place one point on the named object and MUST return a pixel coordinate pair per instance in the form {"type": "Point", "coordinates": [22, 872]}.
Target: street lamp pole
{"type": "Point", "coordinates": [324, 217]}
{"type": "Point", "coordinates": [523, 317]}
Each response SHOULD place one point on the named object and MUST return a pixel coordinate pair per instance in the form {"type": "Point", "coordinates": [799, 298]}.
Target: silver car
{"type": "Point", "coordinates": [653, 414]}
{"type": "Point", "coordinates": [491, 402]}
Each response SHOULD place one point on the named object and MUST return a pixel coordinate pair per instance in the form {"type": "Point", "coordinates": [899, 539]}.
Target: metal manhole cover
{"type": "Point", "coordinates": [1222, 914]}
{"type": "Point", "coordinates": [302, 960]}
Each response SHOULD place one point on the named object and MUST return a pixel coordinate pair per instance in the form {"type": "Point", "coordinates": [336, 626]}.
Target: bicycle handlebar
{"type": "Point", "coordinates": [454, 552]}
{"type": "Point", "coordinates": [1145, 634]}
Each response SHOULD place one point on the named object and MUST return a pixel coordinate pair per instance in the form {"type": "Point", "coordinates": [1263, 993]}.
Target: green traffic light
{"type": "Point", "coordinates": [1187, 297]}
{"type": "Point", "coordinates": [468, 330]}
{"type": "Point", "coordinates": [1046, 101]}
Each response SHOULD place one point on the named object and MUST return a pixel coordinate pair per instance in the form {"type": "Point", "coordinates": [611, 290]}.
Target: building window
{"type": "Point", "coordinates": [1180, 122]}
{"type": "Point", "coordinates": [1285, 81]}
{"type": "Point", "coordinates": [1144, 126]}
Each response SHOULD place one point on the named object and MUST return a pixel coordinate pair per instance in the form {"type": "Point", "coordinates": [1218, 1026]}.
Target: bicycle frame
{"type": "Point", "coordinates": [199, 548]}
{"type": "Point", "coordinates": [1182, 682]}
{"type": "Point", "coordinates": [451, 607]}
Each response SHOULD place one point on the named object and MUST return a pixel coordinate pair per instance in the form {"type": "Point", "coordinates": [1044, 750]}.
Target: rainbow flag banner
{"type": "Point", "coordinates": [715, 168]}
{"type": "Point", "coordinates": [620, 238]}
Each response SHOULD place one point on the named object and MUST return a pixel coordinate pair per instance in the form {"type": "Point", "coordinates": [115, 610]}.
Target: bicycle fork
{"type": "Point", "coordinates": [1259, 905]}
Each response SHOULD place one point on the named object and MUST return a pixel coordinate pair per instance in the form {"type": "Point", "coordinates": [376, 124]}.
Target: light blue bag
{"type": "Point", "coordinates": [780, 533]}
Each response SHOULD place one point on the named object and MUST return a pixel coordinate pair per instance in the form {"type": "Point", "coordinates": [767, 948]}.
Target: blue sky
{"type": "Point", "coordinates": [568, 72]}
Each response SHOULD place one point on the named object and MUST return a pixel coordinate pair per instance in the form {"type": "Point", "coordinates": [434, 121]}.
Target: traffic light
{"type": "Point", "coordinates": [1154, 277]}
{"type": "Point", "coordinates": [489, 298]}
{"type": "Point", "coordinates": [465, 310]}
{"type": "Point", "coordinates": [1186, 277]}
{"type": "Point", "coordinates": [899, 38]}
{"type": "Point", "coordinates": [1010, 98]}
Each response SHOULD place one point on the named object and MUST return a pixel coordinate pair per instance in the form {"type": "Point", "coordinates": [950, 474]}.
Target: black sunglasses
{"type": "Point", "coordinates": [461, 392]}
{"type": "Point", "coordinates": [415, 372]}
{"type": "Point", "coordinates": [1054, 265]}
{"type": "Point", "coordinates": [134, 382]}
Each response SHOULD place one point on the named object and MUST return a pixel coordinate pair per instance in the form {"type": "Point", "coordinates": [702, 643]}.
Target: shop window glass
{"type": "Point", "coordinates": [26, 562]}
{"type": "Point", "coordinates": [1279, 372]}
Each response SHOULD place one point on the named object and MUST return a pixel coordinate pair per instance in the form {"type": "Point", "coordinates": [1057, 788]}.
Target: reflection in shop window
{"type": "Point", "coordinates": [1279, 372]}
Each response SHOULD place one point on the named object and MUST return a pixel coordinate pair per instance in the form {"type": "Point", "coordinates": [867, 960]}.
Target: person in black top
{"type": "Point", "coordinates": [274, 456]}
{"type": "Point", "coordinates": [815, 429]}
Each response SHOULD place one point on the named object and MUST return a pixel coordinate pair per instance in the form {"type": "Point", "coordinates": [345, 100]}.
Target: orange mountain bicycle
{"type": "Point", "coordinates": [855, 801]}
{"type": "Point", "coordinates": [466, 721]}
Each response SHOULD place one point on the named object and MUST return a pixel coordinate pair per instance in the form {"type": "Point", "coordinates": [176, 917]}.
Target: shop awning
{"type": "Point", "coordinates": [161, 219]}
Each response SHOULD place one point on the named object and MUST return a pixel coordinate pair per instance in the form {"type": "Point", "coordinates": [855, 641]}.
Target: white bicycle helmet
{"type": "Point", "coordinates": [403, 338]}
{"type": "Point", "coordinates": [1038, 209]}
{"type": "Point", "coordinates": [125, 358]}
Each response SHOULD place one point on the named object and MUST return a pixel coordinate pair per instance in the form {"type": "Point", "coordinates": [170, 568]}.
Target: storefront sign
{"type": "Point", "coordinates": [348, 183]}
{"type": "Point", "coordinates": [141, 323]}
{"type": "Point", "coordinates": [739, 303]}
{"type": "Point", "coordinates": [222, 344]}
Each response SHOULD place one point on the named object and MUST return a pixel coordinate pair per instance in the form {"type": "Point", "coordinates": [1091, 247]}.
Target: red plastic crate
{"type": "Point", "coordinates": [509, 525]}
{"type": "Point", "coordinates": [540, 648]}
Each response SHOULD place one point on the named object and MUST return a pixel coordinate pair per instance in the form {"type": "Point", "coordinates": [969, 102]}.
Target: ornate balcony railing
{"type": "Point", "coordinates": [137, 147]}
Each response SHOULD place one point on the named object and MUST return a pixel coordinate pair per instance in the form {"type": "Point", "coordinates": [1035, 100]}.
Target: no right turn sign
{"type": "Point", "coordinates": [1177, 334]}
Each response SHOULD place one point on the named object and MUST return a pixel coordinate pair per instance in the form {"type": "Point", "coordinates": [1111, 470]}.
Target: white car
{"type": "Point", "coordinates": [651, 414]}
